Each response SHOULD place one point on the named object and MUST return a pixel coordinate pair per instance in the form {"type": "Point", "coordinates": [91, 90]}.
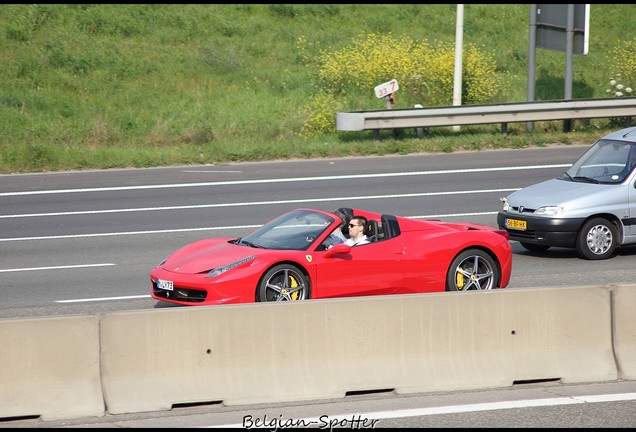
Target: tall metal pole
{"type": "Point", "coordinates": [569, 56]}
{"type": "Point", "coordinates": [459, 42]}
{"type": "Point", "coordinates": [532, 47]}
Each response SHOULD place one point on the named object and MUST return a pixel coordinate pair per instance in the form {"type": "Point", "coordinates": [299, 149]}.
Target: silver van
{"type": "Point", "coordinates": [591, 207]}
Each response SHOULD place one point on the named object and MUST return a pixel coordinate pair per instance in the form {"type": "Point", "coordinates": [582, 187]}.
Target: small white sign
{"type": "Point", "coordinates": [387, 88]}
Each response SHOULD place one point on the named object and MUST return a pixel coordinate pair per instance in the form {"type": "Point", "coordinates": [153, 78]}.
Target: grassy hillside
{"type": "Point", "coordinates": [118, 85]}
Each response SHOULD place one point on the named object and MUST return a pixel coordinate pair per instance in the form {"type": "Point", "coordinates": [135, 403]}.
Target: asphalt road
{"type": "Point", "coordinates": [84, 243]}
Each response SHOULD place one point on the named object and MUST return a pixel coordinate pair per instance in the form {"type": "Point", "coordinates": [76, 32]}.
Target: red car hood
{"type": "Point", "coordinates": [205, 255]}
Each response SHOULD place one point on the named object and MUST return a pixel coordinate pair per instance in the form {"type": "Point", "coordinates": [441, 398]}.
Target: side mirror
{"type": "Point", "coordinates": [336, 249]}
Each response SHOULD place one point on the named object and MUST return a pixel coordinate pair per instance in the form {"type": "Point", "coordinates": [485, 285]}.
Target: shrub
{"type": "Point", "coordinates": [624, 62]}
{"type": "Point", "coordinates": [369, 61]}
{"type": "Point", "coordinates": [425, 74]}
{"type": "Point", "coordinates": [320, 114]}
{"type": "Point", "coordinates": [480, 80]}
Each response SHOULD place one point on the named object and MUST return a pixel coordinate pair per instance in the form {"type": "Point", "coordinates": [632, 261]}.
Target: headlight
{"type": "Point", "coordinates": [220, 270]}
{"type": "Point", "coordinates": [506, 206]}
{"type": "Point", "coordinates": [550, 210]}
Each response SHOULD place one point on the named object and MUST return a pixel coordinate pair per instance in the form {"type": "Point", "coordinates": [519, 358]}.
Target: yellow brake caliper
{"type": "Point", "coordinates": [459, 279]}
{"type": "Point", "coordinates": [293, 283]}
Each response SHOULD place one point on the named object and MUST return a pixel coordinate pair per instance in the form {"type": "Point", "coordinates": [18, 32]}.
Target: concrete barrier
{"type": "Point", "coordinates": [279, 352]}
{"type": "Point", "coordinates": [268, 352]}
{"type": "Point", "coordinates": [49, 367]}
{"type": "Point", "coordinates": [624, 314]}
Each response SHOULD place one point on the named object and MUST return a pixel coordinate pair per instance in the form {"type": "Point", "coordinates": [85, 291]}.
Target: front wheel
{"type": "Point", "coordinates": [473, 269]}
{"type": "Point", "coordinates": [284, 282]}
{"type": "Point", "coordinates": [597, 239]}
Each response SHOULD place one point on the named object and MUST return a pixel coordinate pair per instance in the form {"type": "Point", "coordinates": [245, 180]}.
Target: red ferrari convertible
{"type": "Point", "coordinates": [290, 258]}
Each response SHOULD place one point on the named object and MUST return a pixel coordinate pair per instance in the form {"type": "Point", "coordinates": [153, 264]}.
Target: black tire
{"type": "Point", "coordinates": [597, 239]}
{"type": "Point", "coordinates": [473, 269]}
{"type": "Point", "coordinates": [283, 282]}
{"type": "Point", "coordinates": [535, 247]}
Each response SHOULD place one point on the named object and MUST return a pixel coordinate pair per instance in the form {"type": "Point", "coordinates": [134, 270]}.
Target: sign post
{"type": "Point", "coordinates": [553, 27]}
{"type": "Point", "coordinates": [558, 27]}
{"type": "Point", "coordinates": [387, 91]}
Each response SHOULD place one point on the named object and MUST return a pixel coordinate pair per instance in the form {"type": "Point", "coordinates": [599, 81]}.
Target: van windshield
{"type": "Point", "coordinates": [607, 162]}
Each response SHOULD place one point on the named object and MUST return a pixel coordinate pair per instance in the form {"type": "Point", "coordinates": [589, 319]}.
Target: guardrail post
{"type": "Point", "coordinates": [390, 100]}
{"type": "Point", "coordinates": [419, 130]}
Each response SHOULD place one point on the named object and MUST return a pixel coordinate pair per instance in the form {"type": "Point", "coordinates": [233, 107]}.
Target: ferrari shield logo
{"type": "Point", "coordinates": [308, 257]}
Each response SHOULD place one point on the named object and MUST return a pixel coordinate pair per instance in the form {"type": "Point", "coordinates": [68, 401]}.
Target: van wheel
{"type": "Point", "coordinates": [597, 239]}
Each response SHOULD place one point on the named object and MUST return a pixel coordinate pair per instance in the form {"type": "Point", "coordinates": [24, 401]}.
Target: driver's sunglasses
{"type": "Point", "coordinates": [353, 225]}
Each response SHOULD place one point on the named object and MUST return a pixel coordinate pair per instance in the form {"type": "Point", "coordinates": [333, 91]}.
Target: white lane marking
{"type": "Point", "coordinates": [609, 397]}
{"type": "Point", "coordinates": [72, 267]}
{"type": "Point", "coordinates": [282, 180]}
{"type": "Point", "coordinates": [433, 216]}
{"type": "Point", "coordinates": [211, 172]}
{"type": "Point", "coordinates": [103, 298]}
{"type": "Point", "coordinates": [128, 233]}
{"type": "Point", "coordinates": [417, 412]}
{"type": "Point", "coordinates": [56, 267]}
{"type": "Point", "coordinates": [200, 206]}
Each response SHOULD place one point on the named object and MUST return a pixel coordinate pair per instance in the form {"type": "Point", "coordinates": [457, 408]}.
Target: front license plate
{"type": "Point", "coordinates": [516, 224]}
{"type": "Point", "coordinates": [165, 284]}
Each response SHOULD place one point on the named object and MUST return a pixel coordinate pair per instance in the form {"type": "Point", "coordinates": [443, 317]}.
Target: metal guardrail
{"type": "Point", "coordinates": [420, 118]}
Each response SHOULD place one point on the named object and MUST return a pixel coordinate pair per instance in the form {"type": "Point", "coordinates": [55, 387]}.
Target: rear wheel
{"type": "Point", "coordinates": [283, 282]}
{"type": "Point", "coordinates": [597, 239]}
{"type": "Point", "coordinates": [535, 247]}
{"type": "Point", "coordinates": [473, 269]}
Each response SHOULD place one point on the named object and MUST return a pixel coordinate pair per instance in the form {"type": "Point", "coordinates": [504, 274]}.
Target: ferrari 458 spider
{"type": "Point", "coordinates": [289, 258]}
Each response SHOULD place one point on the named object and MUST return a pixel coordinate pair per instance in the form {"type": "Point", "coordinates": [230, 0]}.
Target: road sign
{"type": "Point", "coordinates": [386, 88]}
{"type": "Point", "coordinates": [552, 27]}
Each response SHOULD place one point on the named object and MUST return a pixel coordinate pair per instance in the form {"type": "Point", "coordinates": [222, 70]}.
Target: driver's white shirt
{"type": "Point", "coordinates": [362, 240]}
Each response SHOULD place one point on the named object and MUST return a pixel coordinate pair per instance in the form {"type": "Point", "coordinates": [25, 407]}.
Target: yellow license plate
{"type": "Point", "coordinates": [516, 224]}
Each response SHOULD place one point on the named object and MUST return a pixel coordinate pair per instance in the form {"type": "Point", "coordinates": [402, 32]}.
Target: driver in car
{"type": "Point", "coordinates": [356, 226]}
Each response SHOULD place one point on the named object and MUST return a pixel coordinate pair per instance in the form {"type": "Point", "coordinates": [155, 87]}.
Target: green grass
{"type": "Point", "coordinates": [119, 85]}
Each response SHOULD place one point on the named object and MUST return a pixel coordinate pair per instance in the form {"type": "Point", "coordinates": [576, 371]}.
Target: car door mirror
{"type": "Point", "coordinates": [336, 249]}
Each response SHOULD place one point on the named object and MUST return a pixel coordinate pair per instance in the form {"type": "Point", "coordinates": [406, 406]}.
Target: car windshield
{"type": "Point", "coordinates": [296, 230]}
{"type": "Point", "coordinates": [606, 162]}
